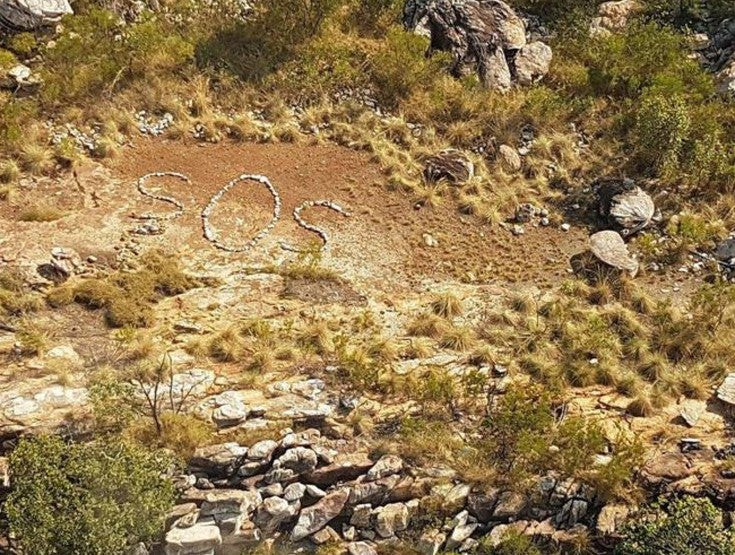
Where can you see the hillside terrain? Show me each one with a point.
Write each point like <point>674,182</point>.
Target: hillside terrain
<point>367,277</point>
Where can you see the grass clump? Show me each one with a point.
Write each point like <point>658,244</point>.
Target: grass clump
<point>128,297</point>
<point>41,213</point>
<point>447,305</point>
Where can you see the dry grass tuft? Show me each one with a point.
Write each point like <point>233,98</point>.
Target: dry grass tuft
<point>447,305</point>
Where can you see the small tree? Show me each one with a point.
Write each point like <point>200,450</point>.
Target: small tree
<point>687,526</point>
<point>86,499</point>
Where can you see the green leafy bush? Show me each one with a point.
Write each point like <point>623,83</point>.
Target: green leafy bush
<point>86,499</point>
<point>687,526</point>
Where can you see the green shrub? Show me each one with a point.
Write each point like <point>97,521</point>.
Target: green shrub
<point>87,499</point>
<point>22,43</point>
<point>400,66</point>
<point>662,126</point>
<point>687,526</point>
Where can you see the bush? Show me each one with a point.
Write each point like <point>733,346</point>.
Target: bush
<point>687,526</point>
<point>400,67</point>
<point>86,499</point>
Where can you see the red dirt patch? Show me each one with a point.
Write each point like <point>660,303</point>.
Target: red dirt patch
<point>383,239</point>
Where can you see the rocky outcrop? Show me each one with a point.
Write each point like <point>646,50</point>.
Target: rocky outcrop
<point>29,15</point>
<point>483,36</point>
<point>303,488</point>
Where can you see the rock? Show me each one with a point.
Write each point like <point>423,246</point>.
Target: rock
<point>483,36</point>
<point>691,410</point>
<point>495,72</point>
<point>273,512</point>
<point>525,213</point>
<point>294,492</point>
<point>726,79</point>
<point>201,538</point>
<point>450,165</point>
<point>613,17</point>
<point>19,79</point>
<point>668,467</point>
<point>459,535</point>
<point>262,450</point>
<point>65,353</point>
<point>726,391</point>
<point>611,517</point>
<point>532,63</point>
<point>725,251</point>
<point>509,159</point>
<point>229,504</point>
<point>510,505</point>
<point>345,468</point>
<point>390,519</point>
<point>625,205</point>
<point>608,253</point>
<point>429,240</point>
<point>387,465</point>
<point>314,518</point>
<point>481,505</point>
<point>219,460</point>
<point>325,535</point>
<point>572,512</point>
<point>298,459</point>
<point>431,542</point>
<point>373,492</point>
<point>361,515</point>
<point>230,414</point>
<point>361,548</point>
<point>30,15</point>
<point>315,492</point>
<point>456,498</point>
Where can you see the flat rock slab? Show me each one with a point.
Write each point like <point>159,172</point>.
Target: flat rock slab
<point>610,248</point>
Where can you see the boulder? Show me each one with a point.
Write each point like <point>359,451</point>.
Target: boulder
<point>391,519</point>
<point>218,460</point>
<point>202,538</point>
<point>30,15</point>
<point>361,548</point>
<point>459,535</point>
<point>532,62</point>
<point>450,165</point>
<point>571,513</point>
<point>262,450</point>
<point>483,36</point>
<point>273,512</point>
<point>431,542</point>
<point>314,518</point>
<point>608,254</point>
<point>691,410</point>
<point>387,465</point>
<point>669,467</point>
<point>510,506</point>
<point>344,468</point>
<point>625,205</point>
<point>613,17</point>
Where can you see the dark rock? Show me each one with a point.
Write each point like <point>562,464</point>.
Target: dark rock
<point>345,468</point>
